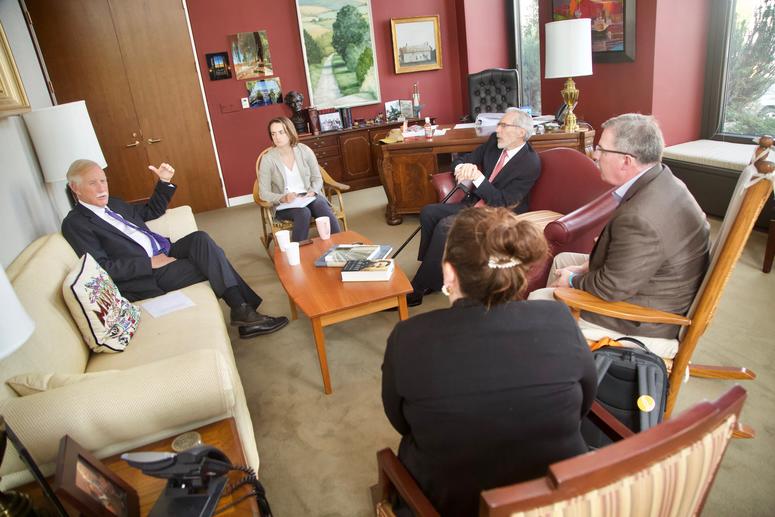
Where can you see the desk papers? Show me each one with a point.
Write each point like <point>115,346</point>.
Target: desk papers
<point>168,303</point>
<point>299,202</point>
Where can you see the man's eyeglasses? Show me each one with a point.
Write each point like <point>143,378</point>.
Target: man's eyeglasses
<point>599,149</point>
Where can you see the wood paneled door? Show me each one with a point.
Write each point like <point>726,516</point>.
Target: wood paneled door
<point>132,62</point>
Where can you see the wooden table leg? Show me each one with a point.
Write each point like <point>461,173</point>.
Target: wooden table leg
<point>294,314</point>
<point>403,310</point>
<point>320,344</point>
<point>769,253</point>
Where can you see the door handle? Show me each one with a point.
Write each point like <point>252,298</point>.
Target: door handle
<point>135,144</point>
<point>154,140</point>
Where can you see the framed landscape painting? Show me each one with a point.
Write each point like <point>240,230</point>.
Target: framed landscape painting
<point>416,43</point>
<point>613,26</point>
<point>250,54</point>
<point>337,38</point>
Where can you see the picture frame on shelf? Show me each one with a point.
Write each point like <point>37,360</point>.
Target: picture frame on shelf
<point>613,26</point>
<point>13,98</point>
<point>330,121</point>
<point>93,489</point>
<point>218,66</point>
<point>416,44</point>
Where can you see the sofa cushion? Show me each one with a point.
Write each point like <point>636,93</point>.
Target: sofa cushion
<point>56,344</point>
<point>31,383</point>
<point>106,319</point>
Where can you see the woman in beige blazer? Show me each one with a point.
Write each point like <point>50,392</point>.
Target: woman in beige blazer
<point>289,172</point>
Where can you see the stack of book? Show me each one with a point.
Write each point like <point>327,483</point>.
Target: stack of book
<point>338,255</point>
<point>368,270</point>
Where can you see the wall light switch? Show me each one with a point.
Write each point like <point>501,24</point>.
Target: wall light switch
<point>245,103</point>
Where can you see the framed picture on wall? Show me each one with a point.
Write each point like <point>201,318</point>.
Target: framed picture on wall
<point>250,53</point>
<point>613,26</point>
<point>416,43</point>
<point>218,66</point>
<point>264,92</point>
<point>338,43</point>
<point>13,99</point>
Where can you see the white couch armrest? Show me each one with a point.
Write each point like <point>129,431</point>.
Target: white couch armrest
<point>175,223</point>
<point>138,402</point>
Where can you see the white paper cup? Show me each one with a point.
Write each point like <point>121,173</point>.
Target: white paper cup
<point>292,254</point>
<point>283,239</point>
<point>324,227</point>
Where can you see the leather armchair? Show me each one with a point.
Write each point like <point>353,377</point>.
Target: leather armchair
<point>492,91</point>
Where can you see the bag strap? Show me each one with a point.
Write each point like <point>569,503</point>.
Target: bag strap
<point>602,364</point>
<point>633,340</point>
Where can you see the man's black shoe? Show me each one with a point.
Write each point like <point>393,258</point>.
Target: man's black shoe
<point>266,325</point>
<point>413,299</point>
<point>245,315</point>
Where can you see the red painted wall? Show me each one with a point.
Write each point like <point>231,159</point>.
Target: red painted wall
<point>486,23</point>
<point>679,68</point>
<point>241,134</point>
<point>666,78</point>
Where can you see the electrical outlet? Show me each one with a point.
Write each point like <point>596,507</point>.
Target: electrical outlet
<point>245,103</point>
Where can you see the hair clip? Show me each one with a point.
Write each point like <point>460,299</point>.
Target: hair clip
<point>501,263</point>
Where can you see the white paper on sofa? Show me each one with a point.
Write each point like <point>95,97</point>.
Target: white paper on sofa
<point>167,303</point>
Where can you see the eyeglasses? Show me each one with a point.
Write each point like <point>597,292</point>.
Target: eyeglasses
<point>504,125</point>
<point>599,149</point>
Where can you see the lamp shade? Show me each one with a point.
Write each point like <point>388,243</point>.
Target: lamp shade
<point>62,134</point>
<point>16,326</point>
<point>568,48</point>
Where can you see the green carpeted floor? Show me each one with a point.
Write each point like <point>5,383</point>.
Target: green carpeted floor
<point>318,452</point>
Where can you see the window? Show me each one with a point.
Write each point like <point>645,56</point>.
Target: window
<point>526,52</point>
<point>746,100</point>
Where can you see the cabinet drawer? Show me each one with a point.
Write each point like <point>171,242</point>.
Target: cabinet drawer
<point>326,152</point>
<point>333,167</point>
<point>318,142</point>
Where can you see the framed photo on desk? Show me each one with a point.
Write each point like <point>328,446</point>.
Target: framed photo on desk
<point>416,43</point>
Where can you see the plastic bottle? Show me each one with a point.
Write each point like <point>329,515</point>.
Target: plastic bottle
<point>428,128</point>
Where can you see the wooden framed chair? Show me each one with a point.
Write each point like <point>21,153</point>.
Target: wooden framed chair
<point>667,470</point>
<point>753,189</point>
<point>271,225</point>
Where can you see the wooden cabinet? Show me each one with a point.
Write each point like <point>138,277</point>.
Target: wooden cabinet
<point>351,155</point>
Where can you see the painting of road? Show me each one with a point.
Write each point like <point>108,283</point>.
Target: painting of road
<point>250,53</point>
<point>338,42</point>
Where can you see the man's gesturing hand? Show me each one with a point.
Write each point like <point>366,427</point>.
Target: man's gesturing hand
<point>162,260</point>
<point>164,172</point>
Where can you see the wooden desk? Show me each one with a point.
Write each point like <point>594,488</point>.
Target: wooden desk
<point>325,299</point>
<point>405,167</point>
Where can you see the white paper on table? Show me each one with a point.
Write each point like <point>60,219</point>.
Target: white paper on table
<point>440,132</point>
<point>466,125</point>
<point>298,202</point>
<point>165,304</point>
<point>420,132</point>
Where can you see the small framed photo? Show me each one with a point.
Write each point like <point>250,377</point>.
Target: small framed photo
<point>330,121</point>
<point>89,486</point>
<point>407,110</point>
<point>218,66</point>
<point>416,43</point>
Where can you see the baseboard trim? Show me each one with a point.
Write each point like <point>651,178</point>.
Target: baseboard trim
<point>240,200</point>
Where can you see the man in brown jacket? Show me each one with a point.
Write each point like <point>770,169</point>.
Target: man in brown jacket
<point>654,250</point>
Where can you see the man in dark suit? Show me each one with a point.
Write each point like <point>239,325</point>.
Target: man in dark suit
<point>144,264</point>
<point>654,250</point>
<point>503,170</point>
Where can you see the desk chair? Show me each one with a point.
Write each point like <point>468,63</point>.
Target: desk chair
<point>670,467</point>
<point>270,225</point>
<point>752,191</point>
<point>492,91</point>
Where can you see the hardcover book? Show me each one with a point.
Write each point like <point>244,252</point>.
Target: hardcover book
<point>337,256</point>
<point>368,270</point>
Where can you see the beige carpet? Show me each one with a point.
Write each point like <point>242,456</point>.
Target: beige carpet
<point>318,452</point>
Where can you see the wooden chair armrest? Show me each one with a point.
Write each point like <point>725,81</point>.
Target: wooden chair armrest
<point>393,476</point>
<point>262,203</point>
<point>609,424</point>
<point>584,301</point>
<point>335,184</point>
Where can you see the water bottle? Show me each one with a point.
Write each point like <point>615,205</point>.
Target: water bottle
<point>428,128</point>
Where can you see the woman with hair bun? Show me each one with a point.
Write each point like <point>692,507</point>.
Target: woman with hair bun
<point>492,390</point>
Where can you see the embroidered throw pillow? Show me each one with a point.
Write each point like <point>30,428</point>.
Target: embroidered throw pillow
<point>106,319</point>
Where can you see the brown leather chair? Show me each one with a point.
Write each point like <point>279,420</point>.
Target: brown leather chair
<point>633,476</point>
<point>569,186</point>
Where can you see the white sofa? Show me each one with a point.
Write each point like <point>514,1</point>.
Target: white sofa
<point>178,372</point>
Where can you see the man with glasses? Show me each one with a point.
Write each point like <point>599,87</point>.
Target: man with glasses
<point>654,250</point>
<point>502,170</point>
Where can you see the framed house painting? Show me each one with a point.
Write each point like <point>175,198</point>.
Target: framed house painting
<point>338,43</point>
<point>613,26</point>
<point>13,99</point>
<point>416,43</point>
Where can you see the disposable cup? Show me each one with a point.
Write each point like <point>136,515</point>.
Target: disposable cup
<point>324,227</point>
<point>283,239</point>
<point>292,254</point>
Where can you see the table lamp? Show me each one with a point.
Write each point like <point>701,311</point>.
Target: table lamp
<point>15,328</point>
<point>569,54</point>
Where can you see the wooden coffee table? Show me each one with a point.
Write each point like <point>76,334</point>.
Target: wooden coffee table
<point>320,293</point>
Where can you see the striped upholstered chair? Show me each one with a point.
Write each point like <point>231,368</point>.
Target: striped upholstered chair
<point>667,470</point>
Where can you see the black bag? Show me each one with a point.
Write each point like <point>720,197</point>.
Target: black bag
<point>623,376</point>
